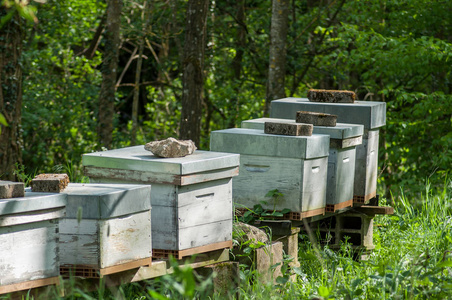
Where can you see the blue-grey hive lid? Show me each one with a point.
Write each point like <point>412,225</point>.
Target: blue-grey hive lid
<point>340,131</point>
<point>371,114</point>
<point>138,159</point>
<point>256,142</point>
<point>103,201</point>
<point>32,202</point>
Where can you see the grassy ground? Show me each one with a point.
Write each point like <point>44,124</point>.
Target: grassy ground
<point>412,260</point>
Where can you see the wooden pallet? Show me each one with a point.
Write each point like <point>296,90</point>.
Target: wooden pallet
<point>331,208</point>
<point>294,216</point>
<point>89,271</point>
<point>22,286</point>
<point>179,254</point>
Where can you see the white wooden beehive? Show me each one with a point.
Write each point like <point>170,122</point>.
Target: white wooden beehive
<point>191,196</point>
<point>107,229</point>
<point>294,165</point>
<point>344,138</point>
<point>29,233</point>
<point>371,114</point>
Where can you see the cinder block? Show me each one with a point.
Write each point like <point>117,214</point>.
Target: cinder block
<point>9,189</point>
<point>293,129</point>
<point>331,96</point>
<point>226,281</point>
<point>266,257</point>
<point>316,119</point>
<point>354,227</point>
<point>49,183</point>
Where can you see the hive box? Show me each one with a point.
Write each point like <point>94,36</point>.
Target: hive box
<point>29,228</point>
<point>107,229</point>
<point>341,160</point>
<point>294,165</point>
<point>368,113</point>
<point>191,196</point>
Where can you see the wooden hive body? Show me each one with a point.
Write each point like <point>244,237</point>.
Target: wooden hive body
<point>107,228</point>
<point>368,113</point>
<point>191,196</point>
<point>29,233</point>
<point>294,165</point>
<point>344,138</point>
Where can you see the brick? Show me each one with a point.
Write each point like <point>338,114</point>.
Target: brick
<point>9,189</point>
<point>331,96</point>
<point>316,119</point>
<point>49,183</point>
<point>293,129</point>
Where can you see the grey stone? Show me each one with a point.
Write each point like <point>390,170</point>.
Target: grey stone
<point>247,232</point>
<point>9,189</point>
<point>49,183</point>
<point>171,147</point>
<point>294,129</point>
<point>316,119</point>
<point>331,96</point>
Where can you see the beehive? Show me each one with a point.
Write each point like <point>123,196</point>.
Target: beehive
<point>341,159</point>
<point>29,235</point>
<point>107,229</point>
<point>368,113</point>
<point>191,196</point>
<point>294,165</point>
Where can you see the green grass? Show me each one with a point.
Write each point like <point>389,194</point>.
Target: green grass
<point>412,260</point>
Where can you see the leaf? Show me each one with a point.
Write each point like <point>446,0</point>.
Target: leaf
<point>282,280</point>
<point>157,296</point>
<point>285,211</point>
<point>324,291</point>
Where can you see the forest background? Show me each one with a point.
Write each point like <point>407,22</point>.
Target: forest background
<point>53,73</point>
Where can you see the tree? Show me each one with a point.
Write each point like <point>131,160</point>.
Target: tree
<point>109,72</point>
<point>11,37</point>
<point>277,59</point>
<point>193,81</point>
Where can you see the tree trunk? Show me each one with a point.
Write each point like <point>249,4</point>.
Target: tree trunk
<point>277,59</point>
<point>109,72</point>
<point>193,81</point>
<point>11,36</point>
<point>237,62</point>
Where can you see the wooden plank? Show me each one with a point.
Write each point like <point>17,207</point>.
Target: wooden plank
<point>161,268</point>
<point>125,239</point>
<point>32,216</point>
<point>131,175</point>
<point>28,251</point>
<point>127,266</point>
<point>346,143</point>
<point>205,234</point>
<point>375,210</point>
<point>4,289</point>
<point>209,176</point>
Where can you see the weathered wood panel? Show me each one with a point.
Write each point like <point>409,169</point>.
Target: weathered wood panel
<point>260,174</point>
<point>28,252</point>
<point>105,243</point>
<point>125,239</point>
<point>341,174</point>
<point>314,184</point>
<point>197,236</point>
<point>32,217</point>
<point>366,168</point>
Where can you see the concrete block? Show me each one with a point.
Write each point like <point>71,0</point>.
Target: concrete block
<point>9,189</point>
<point>266,258</point>
<point>317,119</point>
<point>294,129</point>
<point>331,96</point>
<point>226,278</point>
<point>49,183</point>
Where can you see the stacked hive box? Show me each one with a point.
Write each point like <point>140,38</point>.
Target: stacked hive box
<point>294,165</point>
<point>370,114</point>
<point>341,160</point>
<point>191,196</point>
<point>29,226</point>
<point>107,229</point>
